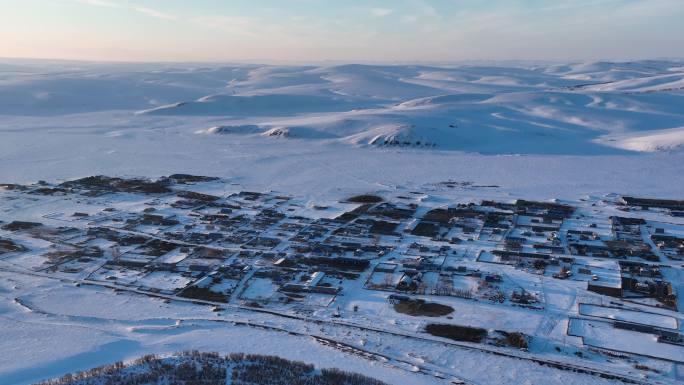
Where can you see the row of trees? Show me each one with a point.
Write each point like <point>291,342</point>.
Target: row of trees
<point>199,368</point>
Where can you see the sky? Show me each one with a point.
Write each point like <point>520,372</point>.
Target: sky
<point>341,30</point>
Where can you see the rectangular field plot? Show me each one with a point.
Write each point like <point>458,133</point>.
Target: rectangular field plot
<point>639,317</point>
<point>163,280</point>
<point>603,335</point>
<point>260,289</point>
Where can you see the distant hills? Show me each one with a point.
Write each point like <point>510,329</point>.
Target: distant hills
<point>584,108</point>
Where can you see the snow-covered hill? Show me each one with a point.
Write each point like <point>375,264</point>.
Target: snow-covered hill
<point>535,109</point>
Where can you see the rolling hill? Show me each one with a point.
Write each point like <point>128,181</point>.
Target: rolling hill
<point>582,108</point>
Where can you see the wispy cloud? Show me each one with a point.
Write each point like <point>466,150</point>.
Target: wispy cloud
<point>99,3</point>
<point>381,12</point>
<point>155,13</point>
<point>426,10</point>
<point>151,12</point>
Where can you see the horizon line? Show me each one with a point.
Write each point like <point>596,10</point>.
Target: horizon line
<point>338,61</point>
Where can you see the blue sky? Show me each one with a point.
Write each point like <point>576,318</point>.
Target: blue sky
<point>346,30</point>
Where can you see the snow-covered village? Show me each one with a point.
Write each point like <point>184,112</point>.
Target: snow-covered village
<point>586,286</point>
